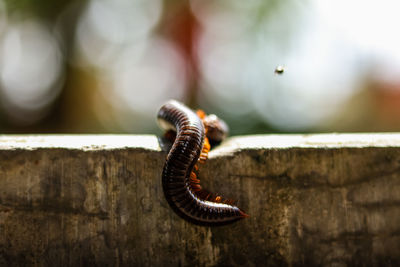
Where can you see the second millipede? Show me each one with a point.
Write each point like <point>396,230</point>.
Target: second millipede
<point>192,134</point>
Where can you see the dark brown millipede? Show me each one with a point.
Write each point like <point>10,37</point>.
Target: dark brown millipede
<point>192,134</point>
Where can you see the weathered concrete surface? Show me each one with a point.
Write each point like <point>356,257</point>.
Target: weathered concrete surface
<point>97,200</point>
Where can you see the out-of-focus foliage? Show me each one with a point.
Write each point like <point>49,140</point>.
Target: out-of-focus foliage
<point>43,8</point>
<point>107,65</point>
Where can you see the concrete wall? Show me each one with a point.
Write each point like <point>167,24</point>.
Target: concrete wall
<point>331,200</point>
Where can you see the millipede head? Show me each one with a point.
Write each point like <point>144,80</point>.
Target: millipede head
<point>216,129</point>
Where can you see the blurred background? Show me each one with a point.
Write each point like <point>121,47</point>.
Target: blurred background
<point>106,66</point>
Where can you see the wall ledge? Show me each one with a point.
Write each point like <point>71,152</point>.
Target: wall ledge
<point>322,199</point>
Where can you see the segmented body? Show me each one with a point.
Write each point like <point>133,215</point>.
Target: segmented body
<point>180,184</point>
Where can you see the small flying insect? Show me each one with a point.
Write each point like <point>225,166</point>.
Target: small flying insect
<point>279,70</point>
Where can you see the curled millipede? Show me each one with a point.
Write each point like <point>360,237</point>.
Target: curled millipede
<point>192,134</point>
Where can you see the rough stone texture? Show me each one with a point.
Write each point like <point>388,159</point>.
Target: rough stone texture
<point>331,200</point>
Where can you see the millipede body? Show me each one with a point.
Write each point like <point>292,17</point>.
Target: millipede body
<point>192,134</point>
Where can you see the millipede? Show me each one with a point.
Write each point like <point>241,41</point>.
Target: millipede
<point>192,134</point>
